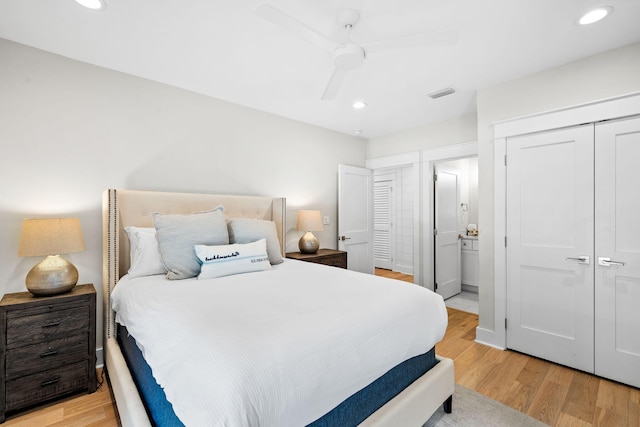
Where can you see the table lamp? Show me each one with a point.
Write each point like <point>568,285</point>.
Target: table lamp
<point>309,221</point>
<point>51,237</point>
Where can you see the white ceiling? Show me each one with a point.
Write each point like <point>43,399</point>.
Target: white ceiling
<point>224,50</point>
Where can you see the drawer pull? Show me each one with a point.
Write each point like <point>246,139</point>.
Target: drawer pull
<point>51,325</point>
<point>49,353</point>
<point>50,382</point>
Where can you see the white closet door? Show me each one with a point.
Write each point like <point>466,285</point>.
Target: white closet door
<point>383,235</point>
<point>617,212</point>
<point>550,306</point>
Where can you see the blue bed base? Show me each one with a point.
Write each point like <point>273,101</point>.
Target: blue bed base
<point>350,412</point>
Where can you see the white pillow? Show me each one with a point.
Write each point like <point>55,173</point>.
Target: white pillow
<point>144,253</point>
<point>178,234</point>
<point>225,260</point>
<point>246,230</point>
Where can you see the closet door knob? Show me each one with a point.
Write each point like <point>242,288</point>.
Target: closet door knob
<point>606,262</point>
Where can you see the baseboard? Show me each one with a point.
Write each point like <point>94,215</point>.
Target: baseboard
<point>470,288</point>
<point>487,337</point>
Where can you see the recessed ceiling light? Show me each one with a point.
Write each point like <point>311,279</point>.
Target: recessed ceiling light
<point>594,15</point>
<point>359,105</point>
<point>358,131</point>
<point>92,4</point>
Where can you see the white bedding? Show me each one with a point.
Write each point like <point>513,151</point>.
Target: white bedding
<point>274,348</point>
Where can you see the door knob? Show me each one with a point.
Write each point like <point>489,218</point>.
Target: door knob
<point>583,259</point>
<point>343,238</point>
<point>606,262</point>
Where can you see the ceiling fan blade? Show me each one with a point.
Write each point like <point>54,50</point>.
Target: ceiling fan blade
<point>291,24</point>
<point>335,81</point>
<point>436,38</point>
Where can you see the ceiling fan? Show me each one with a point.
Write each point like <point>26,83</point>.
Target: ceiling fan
<point>348,55</point>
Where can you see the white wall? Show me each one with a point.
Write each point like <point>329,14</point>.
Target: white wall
<point>454,131</point>
<point>609,74</point>
<point>405,220</point>
<point>69,130</point>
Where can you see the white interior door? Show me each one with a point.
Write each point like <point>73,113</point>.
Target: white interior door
<point>355,217</point>
<point>617,285</point>
<point>447,224</point>
<point>383,213</point>
<point>550,282</point>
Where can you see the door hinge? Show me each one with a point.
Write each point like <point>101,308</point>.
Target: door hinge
<point>435,287</point>
<point>435,177</point>
<point>505,323</point>
<point>505,241</point>
<point>435,231</point>
<point>505,160</point>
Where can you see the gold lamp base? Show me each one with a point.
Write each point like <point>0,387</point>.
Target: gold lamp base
<point>53,275</point>
<point>308,243</point>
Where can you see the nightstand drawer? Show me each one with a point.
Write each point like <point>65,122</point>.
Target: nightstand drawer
<point>46,355</point>
<point>332,260</point>
<point>330,257</point>
<point>42,327</point>
<point>45,385</point>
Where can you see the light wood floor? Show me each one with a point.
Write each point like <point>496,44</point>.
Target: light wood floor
<point>554,394</point>
<point>394,275</point>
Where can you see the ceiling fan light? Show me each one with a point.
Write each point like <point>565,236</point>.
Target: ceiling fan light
<point>92,4</point>
<point>594,15</point>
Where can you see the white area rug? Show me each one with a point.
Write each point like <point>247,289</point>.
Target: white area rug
<point>471,409</point>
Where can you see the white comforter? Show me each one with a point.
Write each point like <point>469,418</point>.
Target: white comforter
<point>274,348</point>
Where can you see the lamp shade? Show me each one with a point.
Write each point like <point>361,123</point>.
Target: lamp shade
<point>309,220</point>
<point>50,236</point>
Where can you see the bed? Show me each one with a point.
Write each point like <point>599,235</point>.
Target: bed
<point>410,406</point>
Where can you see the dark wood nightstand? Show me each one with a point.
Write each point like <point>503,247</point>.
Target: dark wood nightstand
<point>323,256</point>
<point>47,347</point>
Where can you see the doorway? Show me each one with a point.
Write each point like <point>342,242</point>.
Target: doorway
<point>429,158</point>
<point>455,213</point>
<point>393,213</point>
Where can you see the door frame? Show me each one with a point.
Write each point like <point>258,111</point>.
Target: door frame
<point>400,160</point>
<point>606,109</point>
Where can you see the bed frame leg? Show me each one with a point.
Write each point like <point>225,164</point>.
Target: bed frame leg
<point>448,404</point>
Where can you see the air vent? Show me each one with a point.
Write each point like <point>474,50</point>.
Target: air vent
<point>440,93</point>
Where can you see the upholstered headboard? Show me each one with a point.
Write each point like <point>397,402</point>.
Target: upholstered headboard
<point>122,208</point>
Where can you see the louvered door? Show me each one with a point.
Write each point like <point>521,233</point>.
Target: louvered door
<point>383,237</point>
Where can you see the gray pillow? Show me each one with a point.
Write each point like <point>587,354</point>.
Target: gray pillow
<point>178,234</point>
<point>246,230</point>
